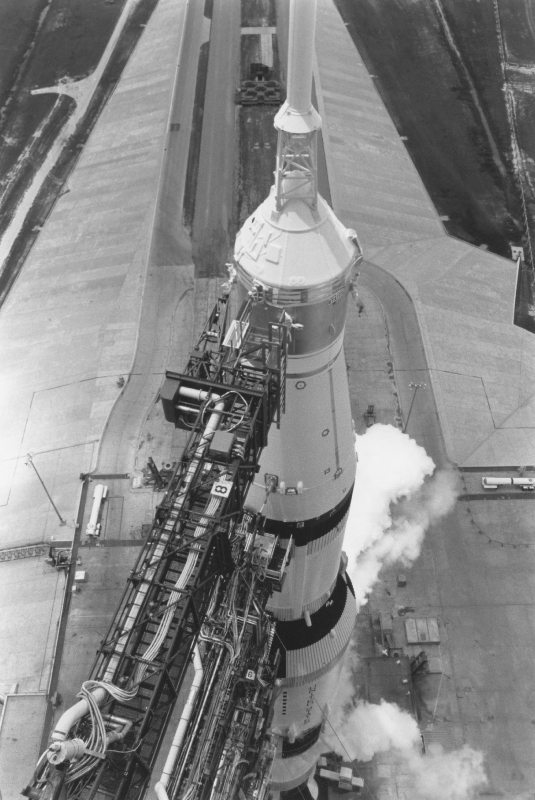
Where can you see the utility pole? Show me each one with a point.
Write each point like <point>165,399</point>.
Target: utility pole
<point>30,463</point>
<point>414,386</point>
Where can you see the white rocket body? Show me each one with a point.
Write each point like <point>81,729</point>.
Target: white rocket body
<point>297,254</point>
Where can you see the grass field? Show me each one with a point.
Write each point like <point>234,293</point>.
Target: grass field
<point>437,94</point>
<point>50,40</point>
<point>66,40</point>
<point>19,21</point>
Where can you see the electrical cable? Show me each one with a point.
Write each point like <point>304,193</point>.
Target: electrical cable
<point>180,585</point>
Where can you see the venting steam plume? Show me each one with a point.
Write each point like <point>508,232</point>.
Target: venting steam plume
<point>392,469</point>
<point>369,729</point>
<point>397,497</point>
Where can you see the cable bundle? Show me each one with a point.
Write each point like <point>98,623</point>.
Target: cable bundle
<point>181,584</point>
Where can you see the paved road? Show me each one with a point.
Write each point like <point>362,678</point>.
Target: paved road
<point>410,363</point>
<point>171,243</point>
<point>482,594</point>
<point>165,325</point>
<point>214,198</point>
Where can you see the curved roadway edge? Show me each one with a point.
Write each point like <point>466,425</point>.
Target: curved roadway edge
<point>88,308</point>
<point>482,368</point>
<point>69,330</point>
<point>409,359</point>
<point>165,323</point>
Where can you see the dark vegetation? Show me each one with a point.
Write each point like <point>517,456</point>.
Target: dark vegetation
<point>49,56</point>
<point>427,91</point>
<point>440,72</point>
<point>19,21</point>
<point>65,39</point>
<point>437,93</point>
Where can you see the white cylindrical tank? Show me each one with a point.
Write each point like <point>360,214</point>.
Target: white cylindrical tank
<point>524,483</point>
<point>99,495</point>
<point>491,482</point>
<point>303,260</point>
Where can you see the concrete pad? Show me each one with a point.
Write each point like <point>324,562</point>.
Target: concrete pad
<point>370,362</point>
<point>68,332</point>
<point>482,367</point>
<point>31,593</point>
<point>20,734</point>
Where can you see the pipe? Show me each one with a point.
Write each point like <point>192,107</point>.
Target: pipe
<point>197,394</point>
<point>161,786</point>
<point>205,698</point>
<point>123,724</point>
<point>71,716</point>
<point>73,749</point>
<point>80,709</point>
<point>208,433</point>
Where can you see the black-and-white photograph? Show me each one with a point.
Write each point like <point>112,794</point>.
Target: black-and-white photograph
<point>267,383</point>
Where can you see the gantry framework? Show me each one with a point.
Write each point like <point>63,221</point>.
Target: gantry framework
<point>203,576</point>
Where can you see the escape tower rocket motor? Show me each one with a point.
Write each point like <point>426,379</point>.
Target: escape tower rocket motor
<point>298,260</point>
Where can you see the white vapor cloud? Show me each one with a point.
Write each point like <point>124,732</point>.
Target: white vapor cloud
<point>446,776</point>
<point>367,729</point>
<point>394,502</point>
<point>397,496</point>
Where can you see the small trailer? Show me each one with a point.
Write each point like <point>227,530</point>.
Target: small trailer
<point>99,495</point>
<point>526,484</point>
<point>493,482</point>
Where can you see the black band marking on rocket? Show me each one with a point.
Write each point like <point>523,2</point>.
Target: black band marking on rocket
<point>301,792</point>
<point>310,529</point>
<point>296,634</point>
<point>301,744</point>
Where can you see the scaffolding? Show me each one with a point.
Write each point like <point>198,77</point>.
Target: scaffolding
<point>203,576</point>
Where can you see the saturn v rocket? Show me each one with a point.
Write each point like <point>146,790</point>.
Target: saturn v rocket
<point>297,258</point>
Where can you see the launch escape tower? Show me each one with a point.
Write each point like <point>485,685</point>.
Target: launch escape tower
<point>295,256</point>
<point>243,572</point>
